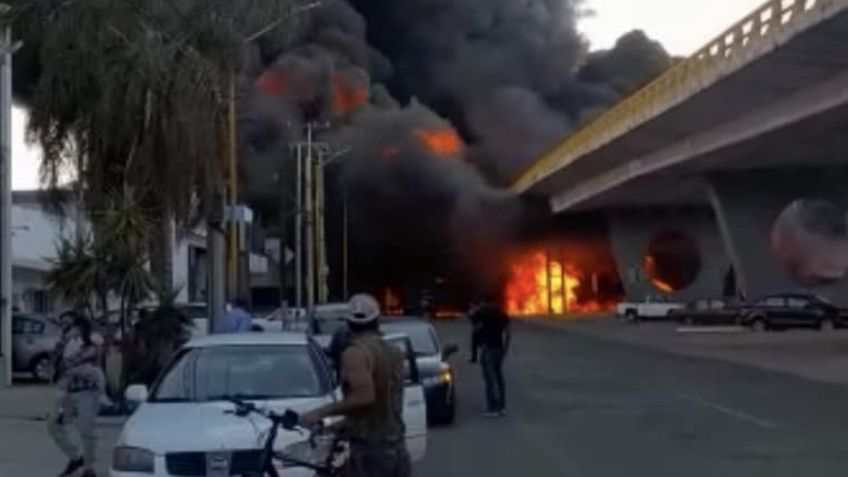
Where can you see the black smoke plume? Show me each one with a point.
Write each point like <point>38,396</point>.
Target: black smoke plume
<point>510,78</point>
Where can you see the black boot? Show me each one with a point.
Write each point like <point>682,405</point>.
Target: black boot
<point>89,473</point>
<point>73,466</point>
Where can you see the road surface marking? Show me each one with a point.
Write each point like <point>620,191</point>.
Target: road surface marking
<point>711,329</point>
<point>742,416</point>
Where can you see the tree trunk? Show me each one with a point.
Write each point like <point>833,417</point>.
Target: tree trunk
<point>162,252</point>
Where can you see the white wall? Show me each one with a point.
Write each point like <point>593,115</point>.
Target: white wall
<point>181,262</point>
<point>35,234</point>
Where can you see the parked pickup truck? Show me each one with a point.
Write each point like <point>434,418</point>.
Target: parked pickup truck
<point>649,309</point>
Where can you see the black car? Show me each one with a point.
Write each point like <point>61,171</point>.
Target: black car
<point>437,375</point>
<point>708,312</point>
<point>792,310</point>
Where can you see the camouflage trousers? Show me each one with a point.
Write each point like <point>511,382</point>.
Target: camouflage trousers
<point>368,460</point>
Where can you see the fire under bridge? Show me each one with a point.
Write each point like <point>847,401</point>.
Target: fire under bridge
<point>729,173</point>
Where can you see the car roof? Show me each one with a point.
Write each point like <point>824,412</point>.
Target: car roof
<point>403,320</point>
<point>790,295</point>
<point>249,339</point>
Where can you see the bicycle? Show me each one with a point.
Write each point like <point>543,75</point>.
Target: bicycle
<point>325,452</point>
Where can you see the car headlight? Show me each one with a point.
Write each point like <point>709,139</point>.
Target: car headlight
<point>444,376</point>
<point>132,459</point>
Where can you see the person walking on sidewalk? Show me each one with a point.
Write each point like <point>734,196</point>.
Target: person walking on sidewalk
<point>492,334</point>
<point>82,383</point>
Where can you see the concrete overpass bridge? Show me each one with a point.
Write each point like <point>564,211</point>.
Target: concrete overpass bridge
<point>716,149</point>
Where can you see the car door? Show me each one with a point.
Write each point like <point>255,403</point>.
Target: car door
<point>777,311</point>
<point>19,342</point>
<point>801,312</point>
<point>414,404</point>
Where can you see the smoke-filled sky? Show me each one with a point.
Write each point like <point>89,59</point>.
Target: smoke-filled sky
<point>661,19</point>
<point>682,26</point>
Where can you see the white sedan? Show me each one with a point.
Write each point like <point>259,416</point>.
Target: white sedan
<point>183,422</point>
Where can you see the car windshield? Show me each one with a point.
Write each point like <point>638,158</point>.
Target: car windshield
<point>249,372</point>
<point>328,326</point>
<point>420,334</point>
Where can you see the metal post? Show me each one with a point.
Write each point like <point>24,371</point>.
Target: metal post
<point>6,201</point>
<point>548,282</point>
<point>345,265</point>
<point>320,205</point>
<point>564,288</point>
<point>216,249</point>
<point>310,223</point>
<point>298,232</point>
<point>233,229</point>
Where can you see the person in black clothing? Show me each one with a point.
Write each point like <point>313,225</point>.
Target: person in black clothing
<point>492,335</point>
<point>475,345</point>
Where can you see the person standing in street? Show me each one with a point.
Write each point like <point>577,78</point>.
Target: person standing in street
<point>238,319</point>
<point>372,376</point>
<point>82,384</point>
<point>493,337</point>
<point>475,345</point>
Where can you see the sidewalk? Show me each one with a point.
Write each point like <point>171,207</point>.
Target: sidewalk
<point>26,449</point>
<point>808,354</point>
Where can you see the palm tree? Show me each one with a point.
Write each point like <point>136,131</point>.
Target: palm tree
<point>136,93</point>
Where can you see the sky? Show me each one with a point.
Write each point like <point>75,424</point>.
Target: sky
<point>682,26</point>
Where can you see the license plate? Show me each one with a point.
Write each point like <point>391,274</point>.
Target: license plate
<point>218,464</point>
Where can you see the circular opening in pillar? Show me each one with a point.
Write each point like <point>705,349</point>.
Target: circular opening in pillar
<point>672,261</point>
<point>810,239</point>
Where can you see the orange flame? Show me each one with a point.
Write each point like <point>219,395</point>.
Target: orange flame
<point>347,97</point>
<point>650,266</point>
<point>270,83</point>
<point>540,286</point>
<point>391,303</point>
<point>443,142</point>
<point>389,152</point>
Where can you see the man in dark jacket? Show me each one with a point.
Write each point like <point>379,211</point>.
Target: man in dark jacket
<point>492,335</point>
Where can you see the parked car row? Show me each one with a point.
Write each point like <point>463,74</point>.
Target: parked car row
<point>771,312</point>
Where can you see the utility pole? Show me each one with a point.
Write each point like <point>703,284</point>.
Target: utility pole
<point>320,204</point>
<point>232,175</point>
<point>8,50</point>
<point>345,265</point>
<point>298,233</point>
<point>310,222</point>
<point>217,254</point>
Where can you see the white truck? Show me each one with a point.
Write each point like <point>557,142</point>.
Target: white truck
<point>651,308</point>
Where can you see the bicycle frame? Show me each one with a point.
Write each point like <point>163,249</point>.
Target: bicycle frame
<point>269,455</point>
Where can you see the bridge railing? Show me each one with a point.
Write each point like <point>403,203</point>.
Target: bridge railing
<point>673,86</point>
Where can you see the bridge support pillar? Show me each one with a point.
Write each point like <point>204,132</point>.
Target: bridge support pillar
<point>670,236</point>
<point>747,206</point>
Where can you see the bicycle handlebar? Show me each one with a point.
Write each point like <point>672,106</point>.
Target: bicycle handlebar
<point>288,420</point>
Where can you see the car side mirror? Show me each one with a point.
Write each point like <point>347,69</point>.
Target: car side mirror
<point>136,393</point>
<point>450,350</point>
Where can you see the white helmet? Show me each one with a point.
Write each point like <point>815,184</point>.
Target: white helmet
<point>363,308</point>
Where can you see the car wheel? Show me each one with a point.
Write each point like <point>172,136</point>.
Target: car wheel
<point>631,316</point>
<point>759,325</point>
<point>826,325</point>
<point>448,417</point>
<point>42,368</point>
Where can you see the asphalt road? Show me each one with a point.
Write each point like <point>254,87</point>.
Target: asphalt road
<point>583,407</point>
